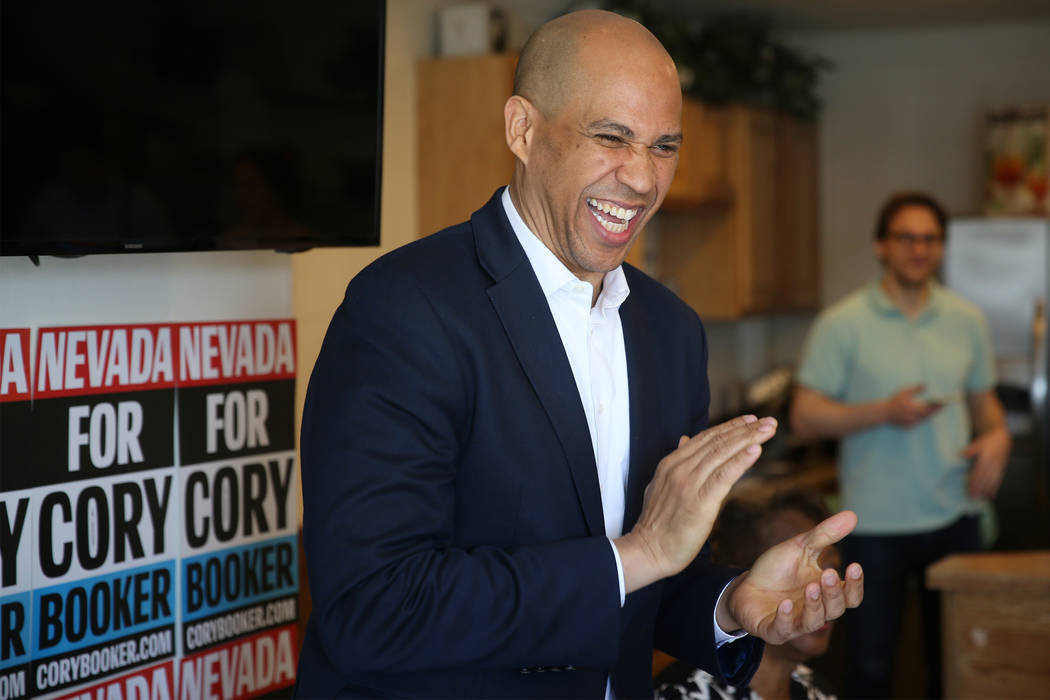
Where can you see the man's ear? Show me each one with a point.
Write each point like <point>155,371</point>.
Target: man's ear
<point>519,120</point>
<point>879,246</point>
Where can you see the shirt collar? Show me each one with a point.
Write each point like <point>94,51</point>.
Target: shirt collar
<point>885,305</point>
<point>551,272</point>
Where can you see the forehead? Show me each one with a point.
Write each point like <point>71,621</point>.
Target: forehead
<point>636,88</point>
<point>914,218</point>
<point>635,113</point>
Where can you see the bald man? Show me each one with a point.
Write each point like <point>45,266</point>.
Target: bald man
<point>508,475</point>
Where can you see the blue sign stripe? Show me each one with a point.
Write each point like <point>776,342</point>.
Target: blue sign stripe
<point>233,578</point>
<point>95,610</point>
<point>14,625</point>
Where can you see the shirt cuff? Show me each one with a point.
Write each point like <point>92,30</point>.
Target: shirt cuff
<point>619,570</point>
<point>721,637</point>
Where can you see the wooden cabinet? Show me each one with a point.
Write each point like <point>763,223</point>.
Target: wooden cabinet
<point>758,255</point>
<point>463,155</point>
<point>702,177</point>
<point>995,622</point>
<point>798,218</point>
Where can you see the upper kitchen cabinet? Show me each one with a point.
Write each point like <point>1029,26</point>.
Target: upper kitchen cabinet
<point>798,218</point>
<point>758,255</point>
<point>702,177</point>
<point>462,150</point>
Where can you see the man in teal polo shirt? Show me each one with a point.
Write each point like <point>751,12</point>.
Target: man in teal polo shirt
<point>902,371</point>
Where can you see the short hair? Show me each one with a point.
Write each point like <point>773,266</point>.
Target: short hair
<point>910,198</point>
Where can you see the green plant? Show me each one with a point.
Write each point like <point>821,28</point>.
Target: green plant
<point>734,58</point>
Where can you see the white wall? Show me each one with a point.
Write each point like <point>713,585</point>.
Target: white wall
<point>904,109</point>
<point>144,288</point>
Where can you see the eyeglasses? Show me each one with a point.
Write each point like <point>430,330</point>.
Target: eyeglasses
<point>910,239</point>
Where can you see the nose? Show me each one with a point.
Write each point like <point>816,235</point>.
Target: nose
<point>637,171</point>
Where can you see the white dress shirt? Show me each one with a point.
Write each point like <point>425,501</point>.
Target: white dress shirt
<point>593,340</point>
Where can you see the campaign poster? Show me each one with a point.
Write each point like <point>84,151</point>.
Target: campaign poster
<point>148,490</point>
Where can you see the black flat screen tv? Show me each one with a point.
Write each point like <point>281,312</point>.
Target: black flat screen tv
<point>139,126</point>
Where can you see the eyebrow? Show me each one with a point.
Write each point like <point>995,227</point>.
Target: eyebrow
<point>626,132</point>
<point>924,234</point>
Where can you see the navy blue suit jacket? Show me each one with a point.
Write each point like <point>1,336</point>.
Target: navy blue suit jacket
<point>453,524</point>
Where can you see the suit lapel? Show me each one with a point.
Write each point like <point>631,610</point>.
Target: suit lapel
<point>522,308</point>
<point>641,364</point>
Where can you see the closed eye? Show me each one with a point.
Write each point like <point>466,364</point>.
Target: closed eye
<point>666,149</point>
<point>610,140</point>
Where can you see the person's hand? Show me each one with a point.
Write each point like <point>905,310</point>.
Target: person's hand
<point>905,410</point>
<point>684,497</point>
<point>989,451</point>
<point>786,594</point>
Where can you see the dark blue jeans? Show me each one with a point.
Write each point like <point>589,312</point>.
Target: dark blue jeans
<point>873,629</point>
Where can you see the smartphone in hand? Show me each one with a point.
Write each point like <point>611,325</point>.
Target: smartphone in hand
<point>940,400</point>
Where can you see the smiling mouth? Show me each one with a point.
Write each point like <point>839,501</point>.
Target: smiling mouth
<point>613,218</point>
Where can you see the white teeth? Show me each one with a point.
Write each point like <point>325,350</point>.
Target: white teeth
<point>618,212</point>
<point>608,225</point>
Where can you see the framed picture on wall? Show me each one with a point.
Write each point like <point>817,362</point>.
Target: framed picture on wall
<point>1017,161</point>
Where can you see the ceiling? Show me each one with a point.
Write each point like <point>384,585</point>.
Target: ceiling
<point>840,15</point>
<point>828,15</point>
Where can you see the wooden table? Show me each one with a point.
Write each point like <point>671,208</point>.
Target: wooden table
<point>996,623</point>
